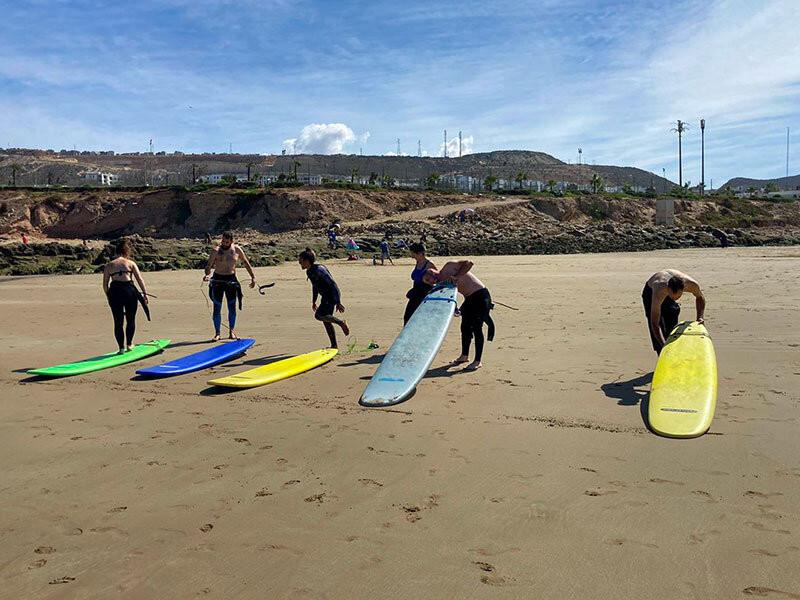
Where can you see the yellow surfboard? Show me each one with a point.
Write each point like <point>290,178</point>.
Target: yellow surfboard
<point>683,395</point>
<point>276,371</point>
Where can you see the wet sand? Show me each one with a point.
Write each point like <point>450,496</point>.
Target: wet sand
<point>533,478</point>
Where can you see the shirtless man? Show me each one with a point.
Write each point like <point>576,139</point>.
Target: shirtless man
<point>660,296</point>
<point>223,282</point>
<point>474,310</point>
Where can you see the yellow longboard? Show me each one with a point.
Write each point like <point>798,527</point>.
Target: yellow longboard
<point>684,390</point>
<point>276,371</point>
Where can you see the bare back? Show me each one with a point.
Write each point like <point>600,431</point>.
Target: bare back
<point>120,269</point>
<point>467,283</point>
<point>659,283</point>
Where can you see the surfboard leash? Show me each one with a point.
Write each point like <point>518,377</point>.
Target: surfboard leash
<point>504,305</point>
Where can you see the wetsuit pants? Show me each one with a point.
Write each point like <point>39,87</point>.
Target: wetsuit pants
<point>226,286</point>
<point>670,311</point>
<point>325,310</point>
<point>123,300</point>
<point>474,313</point>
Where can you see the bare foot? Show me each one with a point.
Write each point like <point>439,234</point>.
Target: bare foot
<point>460,360</point>
<point>121,351</point>
<point>345,328</point>
<point>129,348</point>
<point>215,338</point>
<point>233,336</point>
<point>473,366</point>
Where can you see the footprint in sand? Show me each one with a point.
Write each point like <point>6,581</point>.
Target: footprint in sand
<point>762,527</point>
<point>765,592</point>
<point>701,537</point>
<point>754,494</point>
<point>65,579</point>
<point>599,492</point>
<point>206,528</point>
<point>37,564</point>
<point>118,509</point>
<point>263,492</point>
<point>709,498</point>
<point>489,574</point>
<point>623,541</point>
<point>659,480</point>
<point>370,482</point>
<point>44,550</point>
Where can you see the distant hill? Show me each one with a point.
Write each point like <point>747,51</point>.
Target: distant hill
<point>784,183</point>
<point>38,167</point>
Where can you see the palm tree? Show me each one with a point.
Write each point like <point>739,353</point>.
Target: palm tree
<point>521,176</point>
<point>551,186</point>
<point>489,182</point>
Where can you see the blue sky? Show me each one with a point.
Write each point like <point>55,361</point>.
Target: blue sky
<point>609,76</point>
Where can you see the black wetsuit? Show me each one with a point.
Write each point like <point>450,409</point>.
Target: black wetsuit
<point>418,292</point>
<point>123,298</point>
<point>323,285</point>
<point>670,311</point>
<point>475,311</point>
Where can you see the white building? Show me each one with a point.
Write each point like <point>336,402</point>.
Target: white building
<point>101,178</point>
<point>218,177</point>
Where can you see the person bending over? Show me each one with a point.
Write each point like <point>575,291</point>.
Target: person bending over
<point>323,285</point>
<point>660,298</point>
<point>223,282</point>
<point>474,310</point>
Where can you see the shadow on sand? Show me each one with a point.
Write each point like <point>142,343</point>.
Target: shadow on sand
<point>632,392</point>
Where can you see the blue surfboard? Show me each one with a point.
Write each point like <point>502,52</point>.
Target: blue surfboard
<point>199,360</point>
<point>412,353</point>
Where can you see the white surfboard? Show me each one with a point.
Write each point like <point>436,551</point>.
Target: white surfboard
<point>412,353</point>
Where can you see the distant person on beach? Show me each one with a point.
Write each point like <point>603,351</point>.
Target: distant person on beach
<point>420,289</point>
<point>385,254</point>
<point>25,239</point>
<point>660,298</point>
<point>323,285</point>
<point>122,295</point>
<point>474,310</point>
<point>223,282</point>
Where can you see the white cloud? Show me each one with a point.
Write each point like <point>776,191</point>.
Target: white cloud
<point>467,142</point>
<point>321,138</point>
<point>364,137</point>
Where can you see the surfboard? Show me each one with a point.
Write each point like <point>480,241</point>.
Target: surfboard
<point>281,369</point>
<point>199,360</point>
<point>104,361</point>
<point>413,351</point>
<point>683,394</point>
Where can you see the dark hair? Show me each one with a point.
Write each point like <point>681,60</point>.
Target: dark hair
<point>124,247</point>
<point>308,255</point>
<point>675,283</point>
<point>417,248</point>
<point>227,235</point>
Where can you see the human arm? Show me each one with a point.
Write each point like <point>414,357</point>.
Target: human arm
<point>247,266</point>
<point>212,260</point>
<point>655,317</point>
<point>699,299</point>
<point>106,278</point>
<point>453,271</point>
<point>138,276</point>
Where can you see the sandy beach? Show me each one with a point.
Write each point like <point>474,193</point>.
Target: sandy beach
<point>534,477</point>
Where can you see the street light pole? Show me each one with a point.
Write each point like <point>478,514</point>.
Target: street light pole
<point>702,157</point>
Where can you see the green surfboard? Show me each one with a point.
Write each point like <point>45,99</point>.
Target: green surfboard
<point>105,361</point>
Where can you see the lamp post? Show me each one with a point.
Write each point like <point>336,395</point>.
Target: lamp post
<point>702,157</point>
